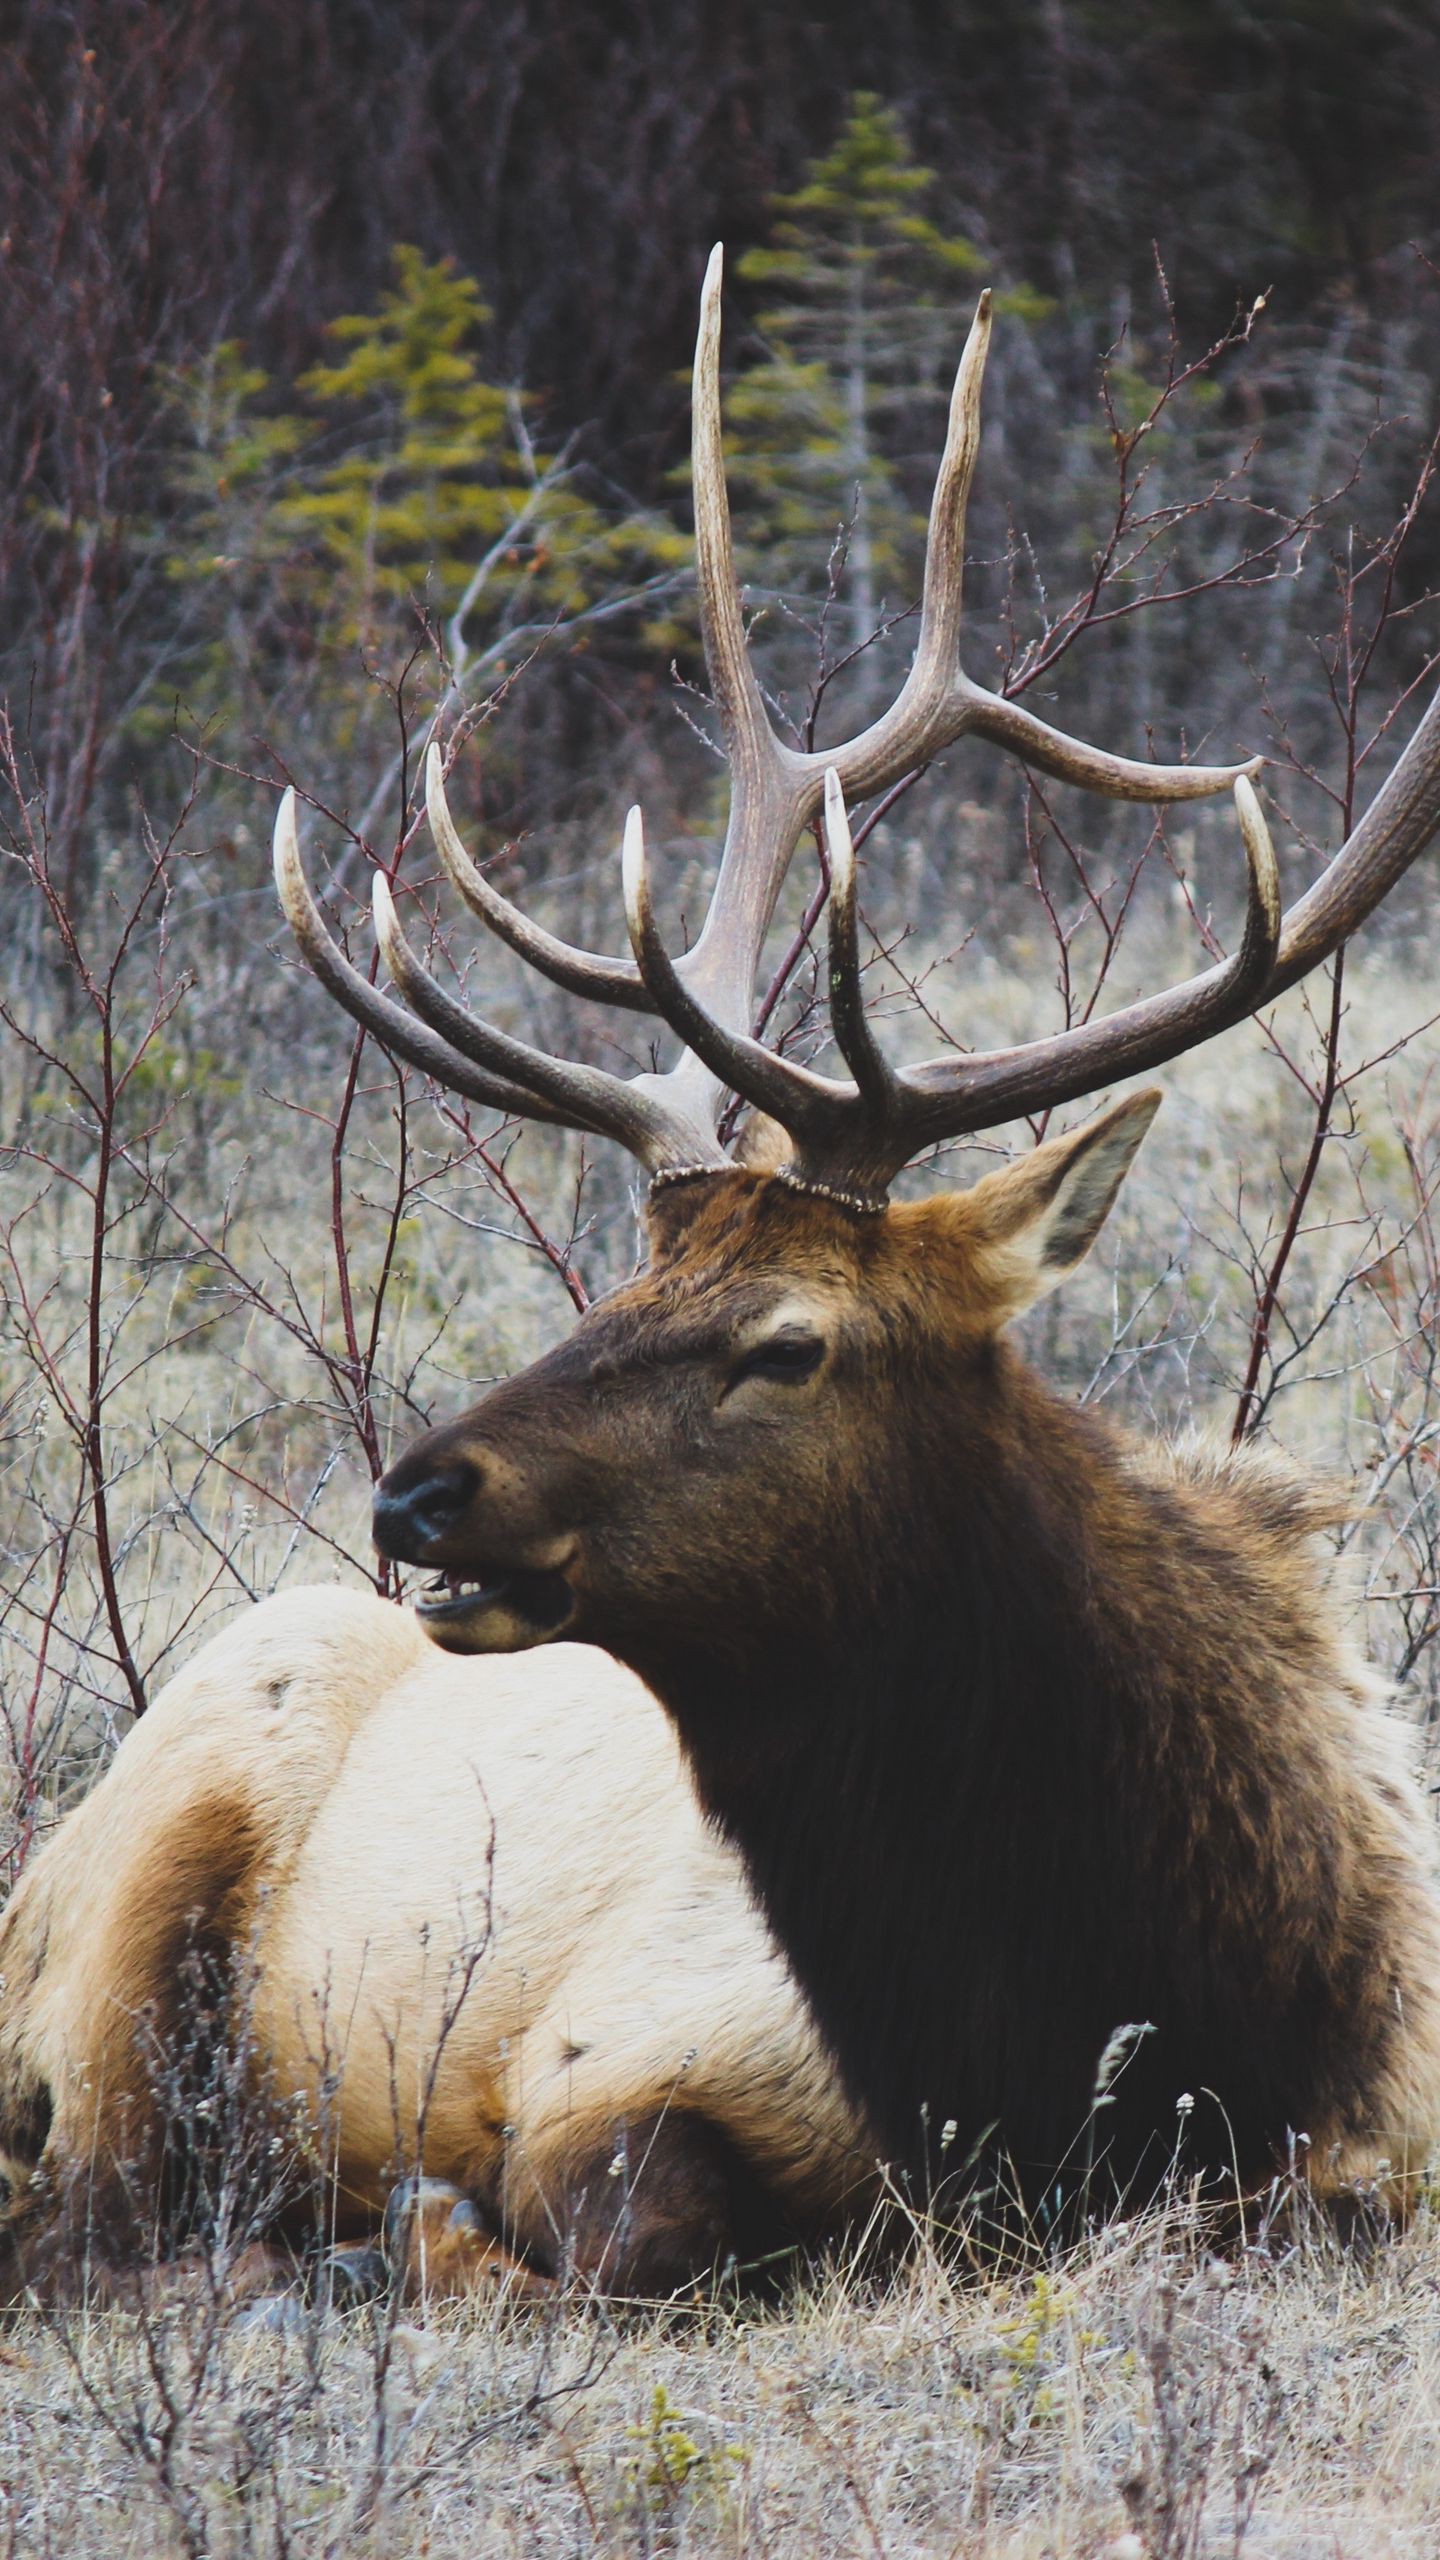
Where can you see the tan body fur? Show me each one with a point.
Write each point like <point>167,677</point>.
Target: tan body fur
<point>321,1785</point>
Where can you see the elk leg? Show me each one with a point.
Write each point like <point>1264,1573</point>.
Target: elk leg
<point>665,2203</point>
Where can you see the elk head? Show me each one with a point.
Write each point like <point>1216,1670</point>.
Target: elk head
<point>747,1382</point>
<point>715,1446</point>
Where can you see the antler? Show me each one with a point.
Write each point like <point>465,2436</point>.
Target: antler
<point>448,1042</point>
<point>857,1132</point>
<point>869,1129</point>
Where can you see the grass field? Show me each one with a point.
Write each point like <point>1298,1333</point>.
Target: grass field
<point>1140,2398</point>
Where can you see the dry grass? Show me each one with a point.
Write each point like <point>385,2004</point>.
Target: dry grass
<point>1137,2398</point>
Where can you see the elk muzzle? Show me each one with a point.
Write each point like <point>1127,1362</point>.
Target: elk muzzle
<point>500,1578</point>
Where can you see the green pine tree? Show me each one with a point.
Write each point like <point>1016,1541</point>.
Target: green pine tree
<point>436,465</point>
<point>296,533</point>
<point>841,417</point>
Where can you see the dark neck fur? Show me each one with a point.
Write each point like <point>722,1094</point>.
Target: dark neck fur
<point>984,1816</point>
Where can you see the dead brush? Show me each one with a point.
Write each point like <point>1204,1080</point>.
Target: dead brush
<point>220,2386</point>
<point>1216,2411</point>
<point>206,2163</point>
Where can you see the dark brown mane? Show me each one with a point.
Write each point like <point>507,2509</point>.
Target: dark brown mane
<point>1025,1736</point>
<point>1034,1686</point>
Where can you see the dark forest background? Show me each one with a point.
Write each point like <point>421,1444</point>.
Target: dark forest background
<point>177,174</point>
<point>181,179</point>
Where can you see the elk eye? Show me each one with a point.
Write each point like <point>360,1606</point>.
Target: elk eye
<point>786,1357</point>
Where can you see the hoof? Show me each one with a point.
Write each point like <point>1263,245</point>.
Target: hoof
<point>350,2275</point>
<point>423,2209</point>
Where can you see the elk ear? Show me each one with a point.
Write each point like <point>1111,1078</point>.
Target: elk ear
<point>1035,1221</point>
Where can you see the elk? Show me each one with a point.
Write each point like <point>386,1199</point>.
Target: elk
<point>1030,1738</point>
<point>483,1931</point>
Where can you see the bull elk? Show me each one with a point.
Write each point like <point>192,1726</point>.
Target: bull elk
<point>479,1925</point>
<point>1026,1734</point>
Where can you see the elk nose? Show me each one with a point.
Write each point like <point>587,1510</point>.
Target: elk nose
<point>411,1521</point>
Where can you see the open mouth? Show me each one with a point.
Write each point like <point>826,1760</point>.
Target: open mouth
<point>494,1610</point>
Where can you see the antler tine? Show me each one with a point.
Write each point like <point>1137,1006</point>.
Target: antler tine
<point>943,593</point>
<point>938,702</point>
<point>876,1087</point>
<point>1264,914</point>
<point>1010,725</point>
<point>582,973</point>
<point>581,1097</point>
<point>475,1061</point>
<point>1387,840</point>
<point>749,736</point>
<point>768,798</point>
<point>789,1093</point>
<point>948,1098</point>
<point>394,1029</point>
<point>874,1127</point>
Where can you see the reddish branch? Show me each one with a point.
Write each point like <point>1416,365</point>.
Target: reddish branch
<point>1251,1403</point>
